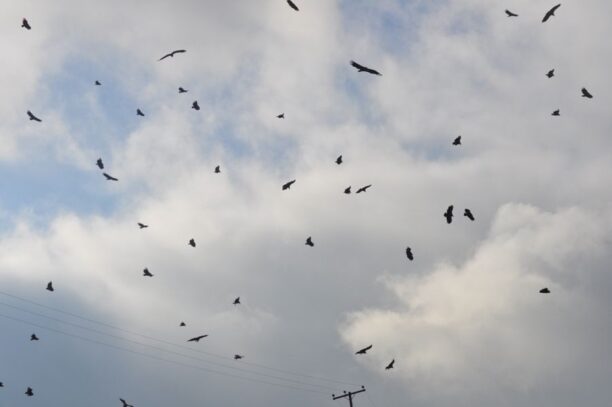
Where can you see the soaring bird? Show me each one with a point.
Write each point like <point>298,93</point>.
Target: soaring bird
<point>236,357</point>
<point>362,68</point>
<point>550,73</point>
<point>182,324</point>
<point>409,253</point>
<point>363,351</point>
<point>281,116</point>
<point>33,337</point>
<point>171,54</point>
<point>363,189</point>
<point>292,5</point>
<point>125,404</point>
<point>586,94</point>
<point>100,164</point>
<point>457,141</point>
<point>97,83</point>
<point>192,243</point>
<point>25,24</point>
<point>197,338</point>
<point>142,225</point>
<point>449,214</point>
<point>550,13</point>
<point>181,90</point>
<point>511,14</point>
<point>468,213</point>
<point>32,117</point>
<point>556,113</point>
<point>390,365</point>
<point>237,301</point>
<point>109,177</point>
<point>50,286</point>
<point>195,105</point>
<point>347,190</point>
<point>146,273</point>
<point>217,169</point>
<point>29,392</point>
<point>309,242</point>
<point>339,160</point>
<point>544,291</point>
<point>139,113</point>
<point>288,185</point>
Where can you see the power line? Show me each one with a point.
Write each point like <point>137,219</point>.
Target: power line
<point>349,394</point>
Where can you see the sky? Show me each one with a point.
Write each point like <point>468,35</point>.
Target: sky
<point>464,321</point>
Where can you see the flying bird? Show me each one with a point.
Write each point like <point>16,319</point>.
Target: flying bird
<point>288,185</point>
<point>511,14</point>
<point>390,365</point>
<point>347,190</point>
<point>292,5</point>
<point>409,253</point>
<point>363,351</point>
<point>142,225</point>
<point>171,54</point>
<point>197,338</point>
<point>33,337</point>
<point>195,105</point>
<point>339,160</point>
<point>236,357</point>
<point>586,94</point>
<point>32,117</point>
<point>468,214</point>
<point>1,384</point>
<point>550,73</point>
<point>545,291</point>
<point>50,286</point>
<point>556,113</point>
<point>29,392</point>
<point>449,214</point>
<point>181,90</point>
<point>100,164</point>
<point>182,324</point>
<point>109,177</point>
<point>237,301</point>
<point>97,83</point>
<point>217,169</point>
<point>550,13</point>
<point>125,404</point>
<point>362,68</point>
<point>309,242</point>
<point>146,273</point>
<point>192,243</point>
<point>25,24</point>
<point>363,189</point>
<point>457,141</point>
<point>139,113</point>
<point>281,116</point>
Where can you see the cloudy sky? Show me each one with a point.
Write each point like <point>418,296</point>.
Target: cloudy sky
<point>464,321</point>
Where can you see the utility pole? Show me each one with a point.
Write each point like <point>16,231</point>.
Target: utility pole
<point>349,394</point>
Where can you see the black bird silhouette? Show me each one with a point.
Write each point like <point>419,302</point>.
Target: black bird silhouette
<point>139,113</point>
<point>100,164</point>
<point>390,365</point>
<point>217,169</point>
<point>363,189</point>
<point>281,116</point>
<point>457,141</point>
<point>339,160</point>
<point>32,117</point>
<point>181,90</point>
<point>468,214</point>
<point>236,357</point>
<point>347,190</point>
<point>237,301</point>
<point>50,286</point>
<point>550,13</point>
<point>142,225</point>
<point>409,253</point>
<point>25,24</point>
<point>1,384</point>
<point>29,392</point>
<point>556,113</point>
<point>125,404</point>
<point>550,73</point>
<point>292,5</point>
<point>97,83</point>
<point>195,105</point>
<point>146,273</point>
<point>586,94</point>
<point>545,291</point>
<point>363,351</point>
<point>362,68</point>
<point>511,14</point>
<point>309,242</point>
<point>192,243</point>
<point>33,337</point>
<point>109,177</point>
<point>288,185</point>
<point>449,214</point>
<point>197,338</point>
<point>171,54</point>
<point>182,324</point>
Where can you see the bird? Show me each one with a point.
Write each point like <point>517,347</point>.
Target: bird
<point>288,185</point>
<point>171,54</point>
<point>339,160</point>
<point>192,243</point>
<point>217,169</point>
<point>1,384</point>
<point>292,5</point>
<point>97,83</point>
<point>195,105</point>
<point>25,24</point>
<point>390,365</point>
<point>33,337</point>
<point>556,113</point>
<point>109,177</point>
<point>29,392</point>
<point>364,350</point>
<point>197,338</point>
<point>449,214</point>
<point>32,117</point>
<point>236,357</point>
<point>182,90</point>
<point>125,404</point>
<point>586,94</point>
<point>309,242</point>
<point>550,13</point>
<point>237,301</point>
<point>139,113</point>
<point>363,189</point>
<point>142,225</point>
<point>100,164</point>
<point>281,116</point>
<point>409,253</point>
<point>544,291</point>
<point>511,14</point>
<point>457,141</point>
<point>347,190</point>
<point>182,324</point>
<point>50,286</point>
<point>146,273</point>
<point>468,213</point>
<point>550,73</point>
<point>362,68</point>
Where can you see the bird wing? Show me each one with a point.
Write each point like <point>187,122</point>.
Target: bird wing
<point>550,13</point>
<point>165,56</point>
<point>178,51</point>
<point>293,6</point>
<point>358,66</point>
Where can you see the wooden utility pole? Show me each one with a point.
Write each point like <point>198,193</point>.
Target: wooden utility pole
<point>349,394</point>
